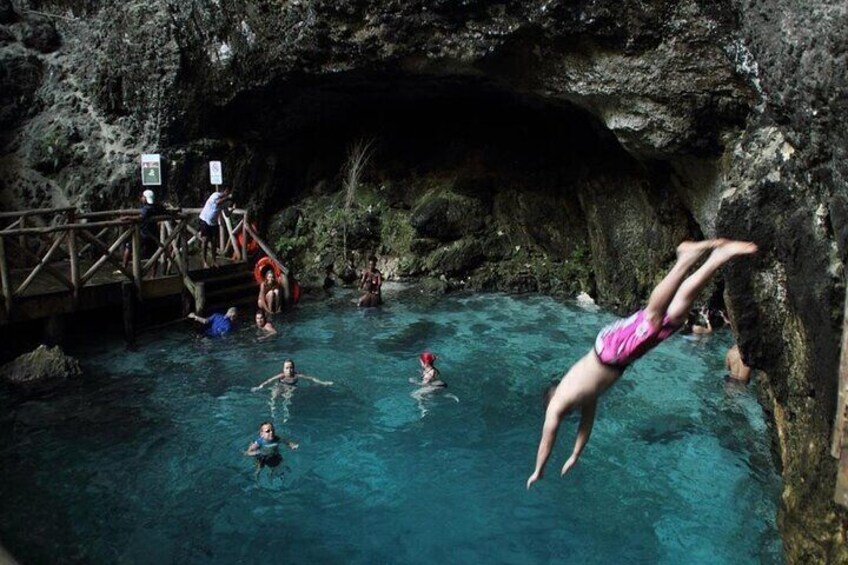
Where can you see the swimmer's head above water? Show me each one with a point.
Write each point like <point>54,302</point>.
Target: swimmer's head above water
<point>427,358</point>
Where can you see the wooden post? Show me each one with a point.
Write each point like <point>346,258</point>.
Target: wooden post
<point>200,298</point>
<point>838,448</point>
<point>4,277</point>
<point>72,253</point>
<point>183,243</point>
<point>136,257</point>
<point>22,241</point>
<point>187,301</point>
<point>128,293</point>
<point>244,237</point>
<point>221,243</point>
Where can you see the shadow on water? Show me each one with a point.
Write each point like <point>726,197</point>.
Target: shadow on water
<point>415,336</point>
<point>665,429</point>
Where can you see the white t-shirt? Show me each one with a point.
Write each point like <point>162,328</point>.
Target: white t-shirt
<point>209,214</point>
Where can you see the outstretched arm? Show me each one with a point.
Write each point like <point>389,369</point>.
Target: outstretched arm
<point>198,319</point>
<point>587,419</point>
<point>314,380</point>
<point>267,382</point>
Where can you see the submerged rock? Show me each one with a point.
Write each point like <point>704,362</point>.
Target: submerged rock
<point>43,366</point>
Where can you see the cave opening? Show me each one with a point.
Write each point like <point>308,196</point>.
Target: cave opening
<point>522,180</point>
<point>420,125</point>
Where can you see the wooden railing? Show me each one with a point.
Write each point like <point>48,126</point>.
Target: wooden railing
<point>76,249</point>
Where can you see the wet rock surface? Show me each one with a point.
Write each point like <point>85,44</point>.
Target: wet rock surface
<point>43,367</point>
<point>559,147</point>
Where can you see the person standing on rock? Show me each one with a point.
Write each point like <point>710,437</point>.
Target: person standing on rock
<point>209,217</point>
<point>621,343</point>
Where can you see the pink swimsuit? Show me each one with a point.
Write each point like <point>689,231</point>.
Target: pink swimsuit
<point>624,341</point>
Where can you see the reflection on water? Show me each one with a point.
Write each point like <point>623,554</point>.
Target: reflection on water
<point>142,462</point>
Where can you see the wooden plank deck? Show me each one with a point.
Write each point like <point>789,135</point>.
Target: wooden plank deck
<point>46,296</point>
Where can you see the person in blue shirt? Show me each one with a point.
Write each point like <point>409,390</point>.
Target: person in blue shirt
<point>217,324</point>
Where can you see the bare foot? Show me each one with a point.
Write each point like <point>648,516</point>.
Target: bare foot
<point>690,250</point>
<point>729,249</point>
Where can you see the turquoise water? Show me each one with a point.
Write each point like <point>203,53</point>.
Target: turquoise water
<point>142,463</point>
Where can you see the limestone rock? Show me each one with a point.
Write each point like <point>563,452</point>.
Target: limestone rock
<point>40,34</point>
<point>458,258</point>
<point>447,217</point>
<point>42,366</point>
<point>7,12</point>
<point>20,77</point>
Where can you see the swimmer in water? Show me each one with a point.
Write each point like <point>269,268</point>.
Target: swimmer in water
<point>624,341</point>
<point>216,325</point>
<point>262,324</point>
<point>284,385</point>
<point>431,381</point>
<point>265,448</point>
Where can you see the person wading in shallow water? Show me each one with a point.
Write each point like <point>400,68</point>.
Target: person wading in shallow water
<point>371,282</point>
<point>624,341</point>
<point>737,370</point>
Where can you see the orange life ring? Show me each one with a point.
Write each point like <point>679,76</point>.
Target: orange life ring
<point>261,265</point>
<point>252,246</point>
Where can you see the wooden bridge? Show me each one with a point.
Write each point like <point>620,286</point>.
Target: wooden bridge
<point>56,261</point>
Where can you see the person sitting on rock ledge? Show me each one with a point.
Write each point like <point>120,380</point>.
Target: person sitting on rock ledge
<point>371,282</point>
<point>216,325</point>
<point>621,343</point>
<point>270,299</point>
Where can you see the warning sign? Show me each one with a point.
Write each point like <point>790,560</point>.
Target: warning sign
<point>151,169</point>
<point>216,173</point>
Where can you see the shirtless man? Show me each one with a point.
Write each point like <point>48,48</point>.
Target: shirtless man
<point>736,367</point>
<point>263,324</point>
<point>624,341</point>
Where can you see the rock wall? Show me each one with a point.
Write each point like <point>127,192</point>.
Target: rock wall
<point>518,145</point>
<point>786,188</point>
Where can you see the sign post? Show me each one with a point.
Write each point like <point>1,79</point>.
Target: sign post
<point>216,173</point>
<point>151,169</point>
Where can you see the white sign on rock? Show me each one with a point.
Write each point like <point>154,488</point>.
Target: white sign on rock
<point>216,173</point>
<point>151,169</point>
